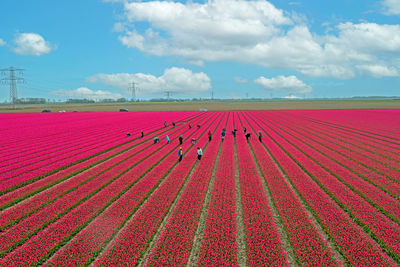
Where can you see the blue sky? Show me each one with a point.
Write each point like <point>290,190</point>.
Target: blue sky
<point>305,48</point>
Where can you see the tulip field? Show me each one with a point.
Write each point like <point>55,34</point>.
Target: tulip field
<point>319,187</point>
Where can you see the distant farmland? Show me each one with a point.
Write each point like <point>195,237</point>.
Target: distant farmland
<point>317,188</point>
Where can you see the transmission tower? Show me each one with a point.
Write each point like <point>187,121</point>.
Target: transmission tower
<point>12,80</point>
<point>133,89</point>
<point>212,95</point>
<point>168,93</point>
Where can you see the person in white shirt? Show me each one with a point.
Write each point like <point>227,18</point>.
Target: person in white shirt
<point>199,153</point>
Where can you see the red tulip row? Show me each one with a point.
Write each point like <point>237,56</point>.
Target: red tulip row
<point>89,124</point>
<point>42,243</point>
<point>75,181</point>
<point>103,227</point>
<point>61,197</point>
<point>219,246</point>
<point>49,160</point>
<point>175,242</point>
<point>343,162</point>
<point>263,244</point>
<point>372,122</point>
<point>134,238</point>
<point>384,230</point>
<point>348,139</point>
<point>353,153</point>
<point>60,175</point>
<point>309,246</point>
<point>37,149</point>
<point>370,188</point>
<point>351,241</point>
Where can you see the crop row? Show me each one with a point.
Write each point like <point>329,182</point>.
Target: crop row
<point>350,240</point>
<point>64,224</point>
<point>135,236</point>
<point>308,245</point>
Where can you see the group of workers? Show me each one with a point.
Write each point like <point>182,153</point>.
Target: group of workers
<point>199,150</point>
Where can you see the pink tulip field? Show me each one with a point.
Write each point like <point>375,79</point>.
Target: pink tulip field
<point>321,187</point>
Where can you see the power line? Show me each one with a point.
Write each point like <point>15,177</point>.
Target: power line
<point>12,80</point>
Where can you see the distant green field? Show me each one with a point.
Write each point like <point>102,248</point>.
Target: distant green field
<point>212,105</point>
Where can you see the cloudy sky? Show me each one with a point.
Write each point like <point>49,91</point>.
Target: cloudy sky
<point>233,48</point>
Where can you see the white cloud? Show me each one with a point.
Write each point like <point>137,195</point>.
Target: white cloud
<point>391,7</point>
<point>31,44</point>
<point>84,92</point>
<point>378,71</point>
<point>289,84</point>
<point>240,80</point>
<point>177,80</point>
<point>2,42</point>
<point>256,32</point>
<point>292,97</point>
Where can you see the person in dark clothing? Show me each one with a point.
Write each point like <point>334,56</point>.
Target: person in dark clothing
<point>260,136</point>
<point>128,134</point>
<point>173,124</point>
<point>223,136</point>
<point>156,140</point>
<point>244,130</point>
<point>142,134</point>
<point>199,153</point>
<point>198,126</point>
<point>209,136</point>
<point>180,154</point>
<point>180,140</point>
<point>165,124</point>
<point>190,126</point>
<point>234,133</point>
<point>248,136</point>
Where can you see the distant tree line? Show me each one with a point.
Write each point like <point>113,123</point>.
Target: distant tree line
<point>30,101</point>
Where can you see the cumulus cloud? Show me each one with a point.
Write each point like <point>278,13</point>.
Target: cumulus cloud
<point>391,7</point>
<point>177,80</point>
<point>378,71</point>
<point>32,44</point>
<point>2,42</point>
<point>289,84</point>
<point>256,32</point>
<point>84,92</point>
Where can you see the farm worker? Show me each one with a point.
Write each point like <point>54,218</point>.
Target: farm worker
<point>199,153</point>
<point>142,134</point>
<point>198,126</point>
<point>234,133</point>
<point>190,126</point>
<point>173,124</point>
<point>156,140</point>
<point>180,153</point>
<point>223,135</point>
<point>128,134</point>
<point>180,140</point>
<point>259,136</point>
<point>244,130</point>
<point>165,124</point>
<point>167,137</point>
<point>194,141</point>
<point>248,136</point>
<point>209,135</point>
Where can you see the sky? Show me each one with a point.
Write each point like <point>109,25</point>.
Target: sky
<point>229,48</point>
